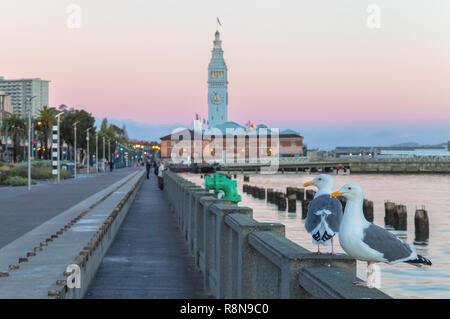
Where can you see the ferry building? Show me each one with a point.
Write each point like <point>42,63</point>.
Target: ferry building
<point>289,142</point>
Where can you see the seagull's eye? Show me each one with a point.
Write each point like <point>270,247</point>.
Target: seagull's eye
<point>349,188</point>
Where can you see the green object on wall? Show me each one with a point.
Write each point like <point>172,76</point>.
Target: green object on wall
<point>220,183</point>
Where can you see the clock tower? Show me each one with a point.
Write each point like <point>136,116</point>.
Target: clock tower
<point>217,86</point>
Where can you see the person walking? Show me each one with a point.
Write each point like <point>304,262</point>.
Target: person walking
<point>111,165</point>
<point>148,167</point>
<point>161,175</point>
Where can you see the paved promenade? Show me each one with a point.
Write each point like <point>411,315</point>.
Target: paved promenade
<point>22,210</point>
<point>149,257</point>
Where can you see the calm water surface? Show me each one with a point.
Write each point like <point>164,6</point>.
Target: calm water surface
<point>414,191</point>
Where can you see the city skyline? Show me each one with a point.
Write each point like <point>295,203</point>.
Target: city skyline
<point>290,64</point>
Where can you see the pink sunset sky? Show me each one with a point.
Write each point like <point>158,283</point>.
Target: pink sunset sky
<point>289,62</point>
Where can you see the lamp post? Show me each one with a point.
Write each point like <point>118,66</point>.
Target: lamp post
<point>75,148</point>
<point>109,150</point>
<point>96,152</point>
<point>104,168</point>
<point>59,148</point>
<point>87,155</point>
<point>29,143</point>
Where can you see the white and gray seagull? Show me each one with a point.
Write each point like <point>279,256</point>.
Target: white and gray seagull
<point>324,213</point>
<point>365,241</point>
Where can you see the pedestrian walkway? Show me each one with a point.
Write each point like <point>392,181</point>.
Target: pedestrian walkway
<point>149,257</point>
<point>22,210</point>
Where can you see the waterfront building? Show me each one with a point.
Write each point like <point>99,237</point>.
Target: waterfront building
<point>21,92</point>
<point>290,143</point>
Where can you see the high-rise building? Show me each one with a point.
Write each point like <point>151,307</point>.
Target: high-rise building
<point>22,92</point>
<point>217,86</point>
<point>5,106</point>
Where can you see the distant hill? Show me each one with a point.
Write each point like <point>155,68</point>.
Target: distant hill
<point>412,144</point>
<point>142,131</point>
<point>407,144</point>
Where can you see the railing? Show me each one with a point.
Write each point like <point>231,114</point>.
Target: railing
<point>240,257</point>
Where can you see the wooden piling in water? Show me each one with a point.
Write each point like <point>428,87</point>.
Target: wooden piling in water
<point>300,192</point>
<point>421,223</point>
<point>270,195</point>
<point>400,217</point>
<point>262,193</point>
<point>368,209</point>
<point>305,204</point>
<point>292,203</point>
<point>290,191</point>
<point>310,194</point>
<point>281,201</point>
<point>389,211</point>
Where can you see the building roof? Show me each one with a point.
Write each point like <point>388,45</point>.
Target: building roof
<point>232,125</point>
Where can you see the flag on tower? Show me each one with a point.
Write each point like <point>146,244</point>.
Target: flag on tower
<point>218,21</point>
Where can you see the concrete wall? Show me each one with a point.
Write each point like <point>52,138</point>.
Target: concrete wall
<point>240,257</point>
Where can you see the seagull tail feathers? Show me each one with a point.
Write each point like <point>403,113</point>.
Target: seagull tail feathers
<point>419,261</point>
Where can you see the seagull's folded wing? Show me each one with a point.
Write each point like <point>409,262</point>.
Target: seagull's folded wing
<point>393,249</point>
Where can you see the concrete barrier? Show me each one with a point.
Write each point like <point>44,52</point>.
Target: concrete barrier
<point>240,257</point>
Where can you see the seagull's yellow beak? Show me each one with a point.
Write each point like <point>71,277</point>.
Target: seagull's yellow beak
<point>336,194</point>
<point>310,183</point>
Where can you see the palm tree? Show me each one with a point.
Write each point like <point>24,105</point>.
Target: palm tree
<point>18,129</point>
<point>46,119</point>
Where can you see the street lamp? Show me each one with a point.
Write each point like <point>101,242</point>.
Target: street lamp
<point>59,149</point>
<point>104,168</point>
<point>75,148</point>
<point>96,152</point>
<point>87,155</point>
<point>29,143</point>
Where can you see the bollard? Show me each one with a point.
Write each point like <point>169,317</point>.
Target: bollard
<point>246,178</point>
<point>305,204</point>
<point>389,211</point>
<point>310,194</point>
<point>400,216</point>
<point>368,209</point>
<point>292,203</point>
<point>421,223</point>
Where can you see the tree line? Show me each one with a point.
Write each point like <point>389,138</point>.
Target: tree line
<point>16,126</point>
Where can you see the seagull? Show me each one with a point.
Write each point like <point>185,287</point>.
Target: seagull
<point>365,241</point>
<point>324,213</point>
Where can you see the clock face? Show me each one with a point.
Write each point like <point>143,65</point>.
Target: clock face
<point>216,98</point>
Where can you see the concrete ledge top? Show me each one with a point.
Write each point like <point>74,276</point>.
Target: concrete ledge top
<point>217,208</point>
<point>335,283</point>
<point>275,246</point>
<point>205,199</point>
<point>242,220</point>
